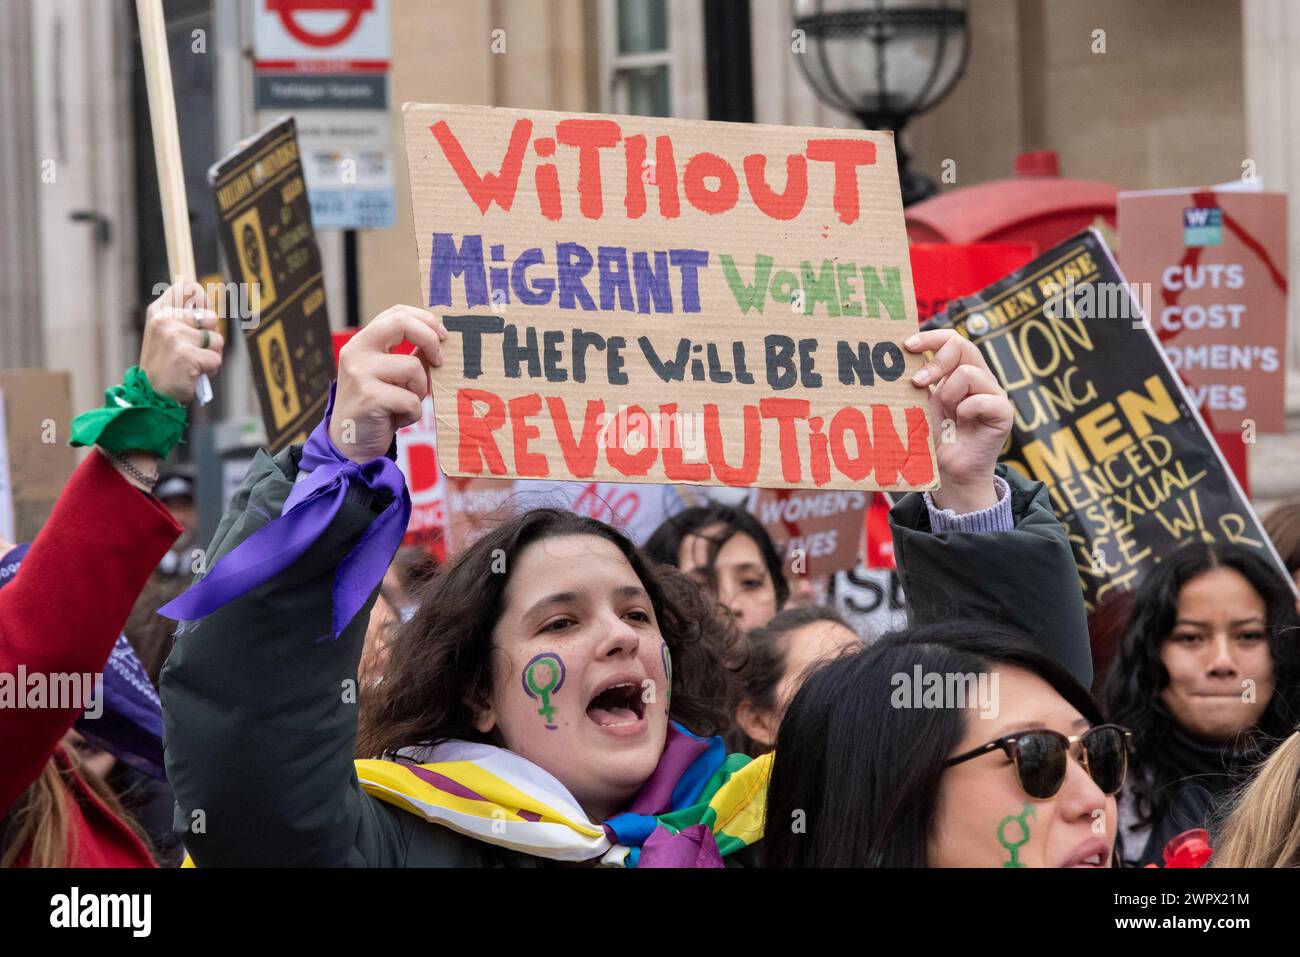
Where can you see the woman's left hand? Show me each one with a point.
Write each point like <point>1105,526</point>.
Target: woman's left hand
<point>975,418</point>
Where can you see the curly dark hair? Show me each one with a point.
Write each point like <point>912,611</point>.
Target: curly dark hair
<point>439,662</point>
<point>1131,693</point>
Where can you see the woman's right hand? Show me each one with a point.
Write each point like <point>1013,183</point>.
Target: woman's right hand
<point>969,396</point>
<point>180,342</point>
<point>380,392</point>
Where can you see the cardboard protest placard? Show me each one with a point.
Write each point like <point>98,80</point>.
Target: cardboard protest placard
<point>815,532</point>
<point>264,222</point>
<point>37,410</point>
<point>637,299</point>
<point>1101,418</point>
<point>1217,263</point>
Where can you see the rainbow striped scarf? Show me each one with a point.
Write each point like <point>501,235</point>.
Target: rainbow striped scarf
<point>698,806</point>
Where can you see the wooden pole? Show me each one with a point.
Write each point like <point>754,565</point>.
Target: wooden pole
<point>167,153</point>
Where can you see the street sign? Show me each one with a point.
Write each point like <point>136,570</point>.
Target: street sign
<point>298,34</point>
<point>326,63</point>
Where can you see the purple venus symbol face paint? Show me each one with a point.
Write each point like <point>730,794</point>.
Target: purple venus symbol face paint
<point>543,677</point>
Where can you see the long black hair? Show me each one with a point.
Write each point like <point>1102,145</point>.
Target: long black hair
<point>665,544</point>
<point>1137,676</point>
<point>855,780</point>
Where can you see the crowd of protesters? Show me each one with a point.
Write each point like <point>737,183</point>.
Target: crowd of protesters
<point>555,694</point>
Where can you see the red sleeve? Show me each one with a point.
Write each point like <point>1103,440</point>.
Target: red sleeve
<point>63,611</point>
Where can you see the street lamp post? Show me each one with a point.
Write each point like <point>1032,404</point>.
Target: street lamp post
<point>884,61</point>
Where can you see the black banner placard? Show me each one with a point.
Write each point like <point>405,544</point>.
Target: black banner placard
<point>270,247</point>
<point>1101,418</point>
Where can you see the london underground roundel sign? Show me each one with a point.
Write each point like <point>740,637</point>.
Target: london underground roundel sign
<point>301,29</point>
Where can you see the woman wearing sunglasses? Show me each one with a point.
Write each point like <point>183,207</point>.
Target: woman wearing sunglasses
<point>1000,760</point>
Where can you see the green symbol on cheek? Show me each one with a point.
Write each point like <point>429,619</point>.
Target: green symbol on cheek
<point>543,676</point>
<point>1013,846</point>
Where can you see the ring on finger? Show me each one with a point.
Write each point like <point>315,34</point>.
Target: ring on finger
<point>207,339</point>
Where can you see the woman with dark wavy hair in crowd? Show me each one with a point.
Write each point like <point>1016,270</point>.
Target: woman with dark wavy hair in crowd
<point>1207,676</point>
<point>729,553</point>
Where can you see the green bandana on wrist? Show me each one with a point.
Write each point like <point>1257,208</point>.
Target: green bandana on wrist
<point>133,417</point>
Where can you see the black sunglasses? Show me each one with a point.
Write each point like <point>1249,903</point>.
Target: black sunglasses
<point>1040,757</point>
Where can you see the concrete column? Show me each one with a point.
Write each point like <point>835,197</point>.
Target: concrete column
<point>21,342</point>
<point>82,130</point>
<point>782,96</point>
<point>1271,38</point>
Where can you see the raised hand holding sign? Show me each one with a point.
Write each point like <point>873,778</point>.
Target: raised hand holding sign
<point>974,416</point>
<point>180,342</point>
<point>380,392</point>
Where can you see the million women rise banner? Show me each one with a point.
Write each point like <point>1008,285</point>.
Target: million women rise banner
<point>265,229</point>
<point>1101,418</point>
<point>635,299</point>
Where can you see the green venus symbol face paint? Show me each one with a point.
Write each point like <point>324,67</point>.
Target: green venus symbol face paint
<point>543,677</point>
<point>1019,835</point>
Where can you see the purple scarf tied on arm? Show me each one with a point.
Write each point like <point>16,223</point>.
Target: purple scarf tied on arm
<point>308,512</point>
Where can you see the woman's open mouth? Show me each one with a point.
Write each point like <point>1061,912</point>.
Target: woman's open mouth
<point>1093,852</point>
<point>617,707</point>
